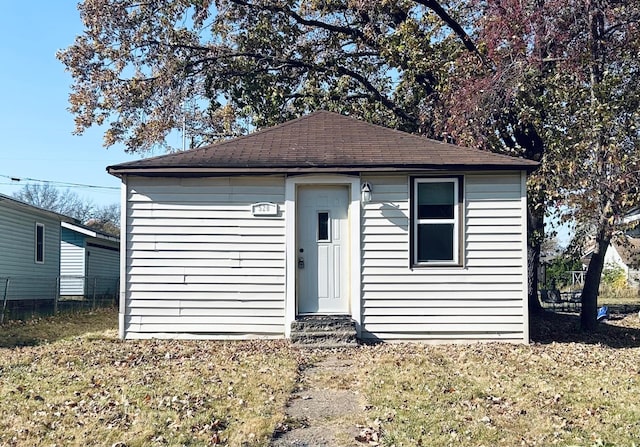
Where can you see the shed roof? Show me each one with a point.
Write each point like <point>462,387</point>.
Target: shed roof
<point>89,231</point>
<point>323,142</point>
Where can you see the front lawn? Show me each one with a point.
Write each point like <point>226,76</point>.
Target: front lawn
<point>80,385</point>
<point>96,390</point>
<point>582,391</point>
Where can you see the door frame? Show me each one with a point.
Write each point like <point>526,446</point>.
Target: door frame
<point>336,207</point>
<point>355,256</point>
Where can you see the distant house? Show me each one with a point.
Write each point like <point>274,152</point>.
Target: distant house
<point>89,261</point>
<point>623,252</point>
<point>412,239</point>
<point>29,250</point>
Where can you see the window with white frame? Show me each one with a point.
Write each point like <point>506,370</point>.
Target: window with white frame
<point>436,211</point>
<point>39,247</point>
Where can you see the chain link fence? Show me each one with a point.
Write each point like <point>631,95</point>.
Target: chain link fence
<point>24,297</point>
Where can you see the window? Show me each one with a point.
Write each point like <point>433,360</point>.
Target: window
<point>323,227</point>
<point>436,204</point>
<point>39,243</point>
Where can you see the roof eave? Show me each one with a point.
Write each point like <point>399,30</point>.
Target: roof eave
<point>204,170</point>
<point>90,232</point>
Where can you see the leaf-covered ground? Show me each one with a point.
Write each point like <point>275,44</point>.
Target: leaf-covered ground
<point>97,390</point>
<point>566,388</point>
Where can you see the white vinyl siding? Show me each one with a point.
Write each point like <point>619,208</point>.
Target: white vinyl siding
<point>102,261</point>
<point>198,263</point>
<point>483,300</point>
<point>89,264</point>
<point>29,280</point>
<point>72,264</point>
<point>103,269</point>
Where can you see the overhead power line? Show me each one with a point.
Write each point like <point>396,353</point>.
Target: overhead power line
<point>16,180</point>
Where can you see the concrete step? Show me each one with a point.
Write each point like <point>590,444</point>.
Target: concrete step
<point>324,331</point>
<point>306,338</point>
<point>316,323</point>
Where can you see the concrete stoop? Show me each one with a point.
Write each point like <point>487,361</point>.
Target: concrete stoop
<point>324,331</point>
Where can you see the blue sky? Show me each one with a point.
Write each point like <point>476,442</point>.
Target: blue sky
<point>34,121</point>
<point>36,127</point>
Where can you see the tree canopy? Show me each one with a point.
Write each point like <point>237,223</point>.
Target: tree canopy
<point>562,87</point>
<point>549,80</point>
<point>596,134</point>
<point>219,68</point>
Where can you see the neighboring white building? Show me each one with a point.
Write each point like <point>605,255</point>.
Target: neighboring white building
<point>238,239</point>
<point>625,253</point>
<point>29,251</point>
<point>89,261</point>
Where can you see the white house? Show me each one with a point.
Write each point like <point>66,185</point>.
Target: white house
<point>624,252</point>
<point>410,237</point>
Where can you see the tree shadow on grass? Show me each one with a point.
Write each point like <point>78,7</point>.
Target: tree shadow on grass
<point>620,331</point>
<point>12,338</point>
<point>44,330</point>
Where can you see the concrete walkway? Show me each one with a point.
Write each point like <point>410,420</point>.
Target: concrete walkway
<point>324,411</point>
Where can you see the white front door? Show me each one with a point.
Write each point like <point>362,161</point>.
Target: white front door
<point>322,249</point>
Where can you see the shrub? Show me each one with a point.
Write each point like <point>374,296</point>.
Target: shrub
<point>614,281</point>
<point>558,272</point>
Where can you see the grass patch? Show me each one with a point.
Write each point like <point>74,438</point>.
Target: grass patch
<point>618,292</point>
<point>69,381</point>
<point>48,329</point>
<point>573,393</point>
<point>619,299</point>
<point>94,389</point>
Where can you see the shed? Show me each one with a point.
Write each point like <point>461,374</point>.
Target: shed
<point>30,250</point>
<point>412,238</point>
<point>89,261</point>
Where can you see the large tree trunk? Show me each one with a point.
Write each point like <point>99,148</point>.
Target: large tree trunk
<point>589,312</point>
<point>535,229</point>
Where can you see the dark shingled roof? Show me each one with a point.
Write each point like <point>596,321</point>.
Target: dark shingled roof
<point>629,250</point>
<point>323,142</point>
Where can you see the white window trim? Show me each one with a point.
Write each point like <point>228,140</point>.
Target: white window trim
<point>455,221</point>
<point>35,254</point>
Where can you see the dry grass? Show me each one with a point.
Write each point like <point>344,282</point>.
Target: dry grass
<point>608,299</point>
<point>96,390</point>
<point>49,329</point>
<point>566,388</point>
<point>584,390</point>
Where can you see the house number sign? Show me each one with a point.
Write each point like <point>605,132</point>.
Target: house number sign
<point>264,209</point>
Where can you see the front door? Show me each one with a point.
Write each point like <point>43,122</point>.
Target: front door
<point>322,249</point>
